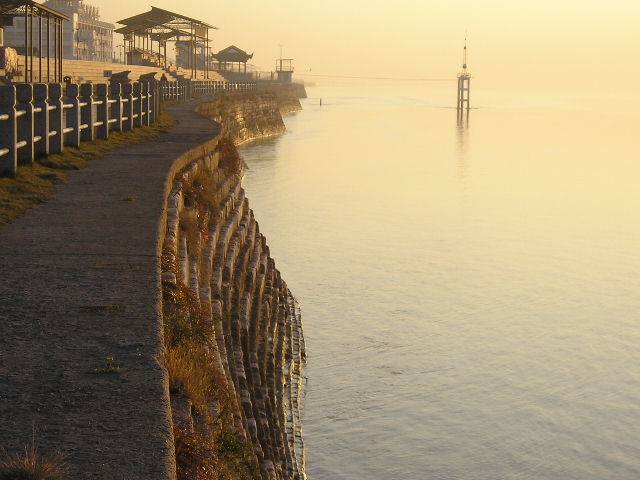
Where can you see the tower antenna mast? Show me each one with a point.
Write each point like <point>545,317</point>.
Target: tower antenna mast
<point>464,55</point>
<point>464,84</point>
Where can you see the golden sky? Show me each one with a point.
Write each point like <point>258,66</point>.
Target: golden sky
<point>545,44</point>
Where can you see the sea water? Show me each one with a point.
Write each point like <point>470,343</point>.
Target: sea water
<point>470,290</point>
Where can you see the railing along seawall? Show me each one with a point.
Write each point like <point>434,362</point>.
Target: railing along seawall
<point>38,119</point>
<point>207,87</point>
<point>41,119</point>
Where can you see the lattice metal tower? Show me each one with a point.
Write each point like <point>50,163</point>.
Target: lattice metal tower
<point>464,84</point>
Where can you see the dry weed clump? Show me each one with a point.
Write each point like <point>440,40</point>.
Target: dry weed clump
<point>204,191</point>
<point>189,376</point>
<point>33,466</point>
<point>184,324</point>
<point>230,160</point>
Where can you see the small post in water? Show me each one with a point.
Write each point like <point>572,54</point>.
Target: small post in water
<point>464,85</point>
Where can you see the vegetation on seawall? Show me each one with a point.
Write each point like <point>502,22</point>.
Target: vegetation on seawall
<point>33,184</point>
<point>210,447</point>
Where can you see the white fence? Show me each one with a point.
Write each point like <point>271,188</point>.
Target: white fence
<point>208,87</point>
<point>39,119</point>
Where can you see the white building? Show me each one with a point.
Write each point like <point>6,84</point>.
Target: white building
<point>85,36</point>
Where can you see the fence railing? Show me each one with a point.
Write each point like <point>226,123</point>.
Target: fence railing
<point>179,91</point>
<point>40,119</point>
<point>205,87</point>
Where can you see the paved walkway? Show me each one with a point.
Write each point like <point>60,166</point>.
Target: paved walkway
<point>79,283</point>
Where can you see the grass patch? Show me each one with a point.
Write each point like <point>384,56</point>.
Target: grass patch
<point>190,377</point>
<point>33,184</point>
<point>33,466</point>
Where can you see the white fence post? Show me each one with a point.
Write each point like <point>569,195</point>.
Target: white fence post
<point>72,114</point>
<point>8,131</point>
<point>41,119</point>
<point>86,112</point>
<point>24,113</point>
<point>102,111</point>
<point>115,118</point>
<point>137,105</point>
<point>127,107</point>
<point>145,104</point>
<point>56,118</point>
<point>153,98</point>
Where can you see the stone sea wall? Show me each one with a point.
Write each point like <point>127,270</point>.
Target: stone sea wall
<point>245,117</point>
<point>146,332</point>
<point>232,329</point>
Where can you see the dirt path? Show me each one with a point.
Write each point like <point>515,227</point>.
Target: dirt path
<point>79,283</point>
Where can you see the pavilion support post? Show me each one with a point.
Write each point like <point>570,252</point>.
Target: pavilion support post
<point>205,54</point>
<point>40,48</point>
<point>48,47</point>
<point>60,49</point>
<point>31,45</point>
<point>55,50</point>
<point>194,67</point>
<point>26,46</point>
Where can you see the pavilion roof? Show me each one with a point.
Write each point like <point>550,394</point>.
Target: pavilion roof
<point>160,18</point>
<point>232,54</point>
<point>162,31</point>
<point>16,8</point>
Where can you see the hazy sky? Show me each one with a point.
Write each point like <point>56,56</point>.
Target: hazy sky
<point>545,43</point>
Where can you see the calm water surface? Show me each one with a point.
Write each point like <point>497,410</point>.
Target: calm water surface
<point>471,294</point>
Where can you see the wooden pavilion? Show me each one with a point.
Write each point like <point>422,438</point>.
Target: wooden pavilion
<point>228,58</point>
<point>160,26</point>
<point>43,28</point>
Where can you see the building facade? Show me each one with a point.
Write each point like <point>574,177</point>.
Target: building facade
<point>86,37</point>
